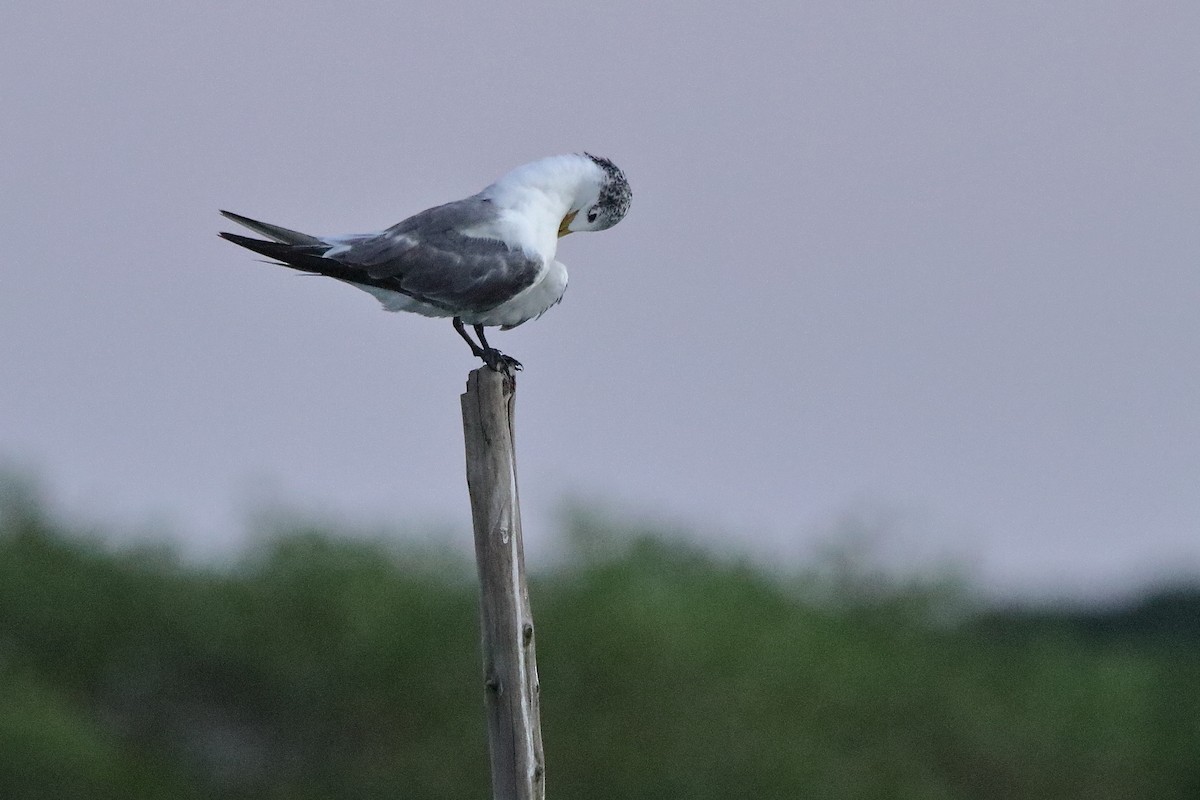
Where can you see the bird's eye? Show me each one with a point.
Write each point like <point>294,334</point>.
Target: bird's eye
<point>595,212</point>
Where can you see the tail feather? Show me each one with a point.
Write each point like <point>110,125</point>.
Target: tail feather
<point>281,235</point>
<point>309,258</point>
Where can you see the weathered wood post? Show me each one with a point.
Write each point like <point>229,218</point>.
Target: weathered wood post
<point>509,666</point>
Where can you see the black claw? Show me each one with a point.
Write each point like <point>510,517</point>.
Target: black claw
<point>498,362</point>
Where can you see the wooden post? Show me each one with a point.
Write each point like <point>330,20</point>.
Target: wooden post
<point>509,667</point>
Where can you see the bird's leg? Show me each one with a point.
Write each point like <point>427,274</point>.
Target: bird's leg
<point>476,350</point>
<point>506,364</point>
<point>496,361</point>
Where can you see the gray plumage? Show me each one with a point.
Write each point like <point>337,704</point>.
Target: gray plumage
<point>431,260</point>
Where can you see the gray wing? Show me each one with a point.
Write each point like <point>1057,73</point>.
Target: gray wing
<point>427,257</point>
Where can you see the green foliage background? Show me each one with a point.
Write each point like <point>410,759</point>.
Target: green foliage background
<point>327,667</point>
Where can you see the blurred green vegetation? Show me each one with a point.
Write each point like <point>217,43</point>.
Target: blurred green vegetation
<point>333,667</point>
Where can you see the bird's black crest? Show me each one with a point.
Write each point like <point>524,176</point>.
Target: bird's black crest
<point>616,194</point>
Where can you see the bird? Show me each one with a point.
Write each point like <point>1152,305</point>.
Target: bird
<point>488,260</point>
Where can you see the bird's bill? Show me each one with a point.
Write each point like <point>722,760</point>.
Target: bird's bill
<point>564,227</point>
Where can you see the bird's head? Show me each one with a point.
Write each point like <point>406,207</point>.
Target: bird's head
<point>601,198</point>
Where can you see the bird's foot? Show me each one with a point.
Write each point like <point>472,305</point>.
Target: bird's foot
<point>498,362</point>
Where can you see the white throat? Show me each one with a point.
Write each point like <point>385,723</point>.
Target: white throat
<point>535,197</point>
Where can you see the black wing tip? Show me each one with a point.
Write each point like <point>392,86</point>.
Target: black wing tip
<point>239,219</point>
<point>260,246</point>
<point>237,238</point>
<point>285,255</point>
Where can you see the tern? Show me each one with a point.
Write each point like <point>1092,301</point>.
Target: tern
<point>487,260</point>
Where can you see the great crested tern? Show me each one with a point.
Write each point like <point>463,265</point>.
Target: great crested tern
<point>486,260</point>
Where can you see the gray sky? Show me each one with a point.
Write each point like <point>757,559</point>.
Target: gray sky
<point>929,267</point>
